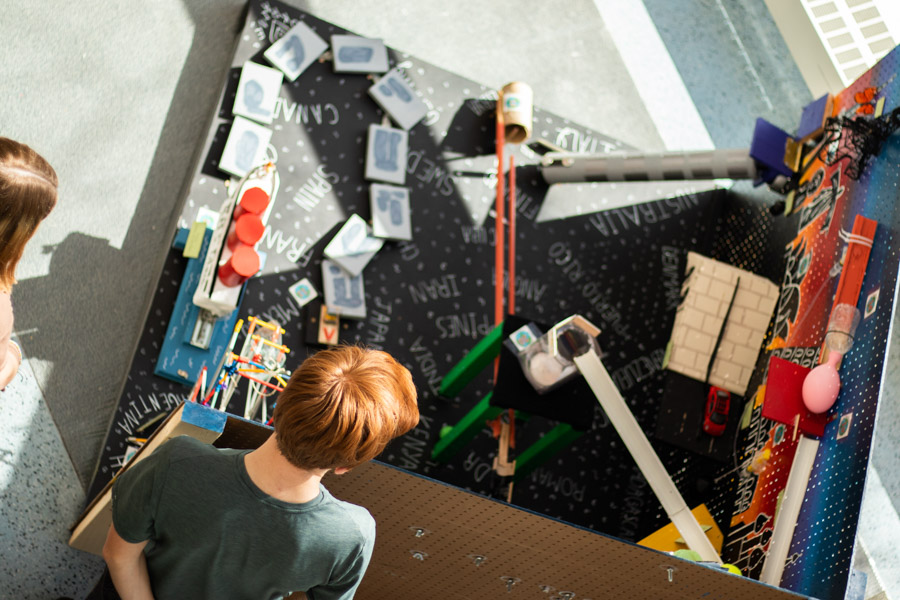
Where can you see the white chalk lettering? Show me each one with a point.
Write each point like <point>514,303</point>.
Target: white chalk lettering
<point>304,113</point>
<point>408,251</point>
<point>412,449</point>
<point>671,276</point>
<point>432,173</point>
<point>379,321</point>
<point>290,246</point>
<point>634,502</point>
<point>563,257</point>
<point>316,188</point>
<point>529,289</point>
<point>478,235</point>
<point>612,222</point>
<point>280,313</point>
<point>638,370</point>
<point>574,140</point>
<point>470,325</point>
<point>478,467</point>
<point>609,314</point>
<point>566,486</point>
<point>427,365</point>
<point>483,103</point>
<point>526,206</point>
<point>434,288</point>
<point>137,410</point>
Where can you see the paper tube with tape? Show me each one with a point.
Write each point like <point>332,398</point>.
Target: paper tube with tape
<point>517,102</point>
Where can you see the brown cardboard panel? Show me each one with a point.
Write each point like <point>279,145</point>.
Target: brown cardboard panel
<point>430,536</point>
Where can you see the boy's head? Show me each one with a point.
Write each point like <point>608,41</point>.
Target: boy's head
<point>342,406</point>
<point>27,195</point>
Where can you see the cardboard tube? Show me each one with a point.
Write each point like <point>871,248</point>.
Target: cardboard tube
<point>243,264</point>
<point>246,229</point>
<point>517,101</point>
<point>255,200</point>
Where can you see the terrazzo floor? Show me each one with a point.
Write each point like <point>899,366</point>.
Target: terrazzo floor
<point>40,497</point>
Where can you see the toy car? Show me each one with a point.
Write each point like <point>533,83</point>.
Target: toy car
<point>715,417</point>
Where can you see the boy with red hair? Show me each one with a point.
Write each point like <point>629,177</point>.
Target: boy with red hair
<point>194,521</point>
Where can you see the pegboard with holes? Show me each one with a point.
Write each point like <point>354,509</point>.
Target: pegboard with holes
<point>437,541</point>
<point>821,550</point>
<point>430,300</point>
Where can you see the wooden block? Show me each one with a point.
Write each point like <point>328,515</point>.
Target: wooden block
<point>194,243</point>
<point>303,292</point>
<point>668,539</point>
<point>855,263</point>
<point>353,246</point>
<point>386,154</point>
<point>784,400</point>
<point>354,54</point>
<point>397,97</point>
<point>245,147</point>
<point>257,92</point>
<point>296,50</point>
<point>390,212</point>
<point>344,293</point>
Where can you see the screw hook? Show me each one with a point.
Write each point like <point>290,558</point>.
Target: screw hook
<point>510,582</point>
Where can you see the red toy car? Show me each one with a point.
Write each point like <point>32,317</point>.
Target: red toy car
<point>715,417</point>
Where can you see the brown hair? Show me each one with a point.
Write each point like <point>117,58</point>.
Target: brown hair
<point>27,195</point>
<point>342,407</point>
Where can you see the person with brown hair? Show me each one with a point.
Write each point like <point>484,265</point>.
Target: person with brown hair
<point>28,189</point>
<point>194,521</point>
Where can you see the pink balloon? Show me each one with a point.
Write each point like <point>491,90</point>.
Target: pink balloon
<point>821,386</point>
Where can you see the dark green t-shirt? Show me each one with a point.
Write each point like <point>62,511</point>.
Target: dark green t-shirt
<point>214,534</point>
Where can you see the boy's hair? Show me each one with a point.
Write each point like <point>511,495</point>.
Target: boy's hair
<point>27,195</point>
<point>342,406</point>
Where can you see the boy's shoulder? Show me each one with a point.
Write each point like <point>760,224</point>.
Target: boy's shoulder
<point>358,516</point>
<point>185,445</point>
<point>186,448</point>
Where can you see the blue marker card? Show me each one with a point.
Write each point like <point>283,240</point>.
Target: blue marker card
<point>303,292</point>
<point>390,212</point>
<point>354,54</point>
<point>344,293</point>
<point>523,337</point>
<point>386,154</point>
<point>245,147</point>
<point>397,97</point>
<point>353,246</point>
<point>257,92</point>
<point>296,50</point>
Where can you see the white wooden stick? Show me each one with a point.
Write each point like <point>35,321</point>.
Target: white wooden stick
<point>786,519</point>
<point>644,455</point>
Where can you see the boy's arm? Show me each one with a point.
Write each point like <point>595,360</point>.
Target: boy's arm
<point>127,567</point>
<point>9,363</point>
<point>344,586</point>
